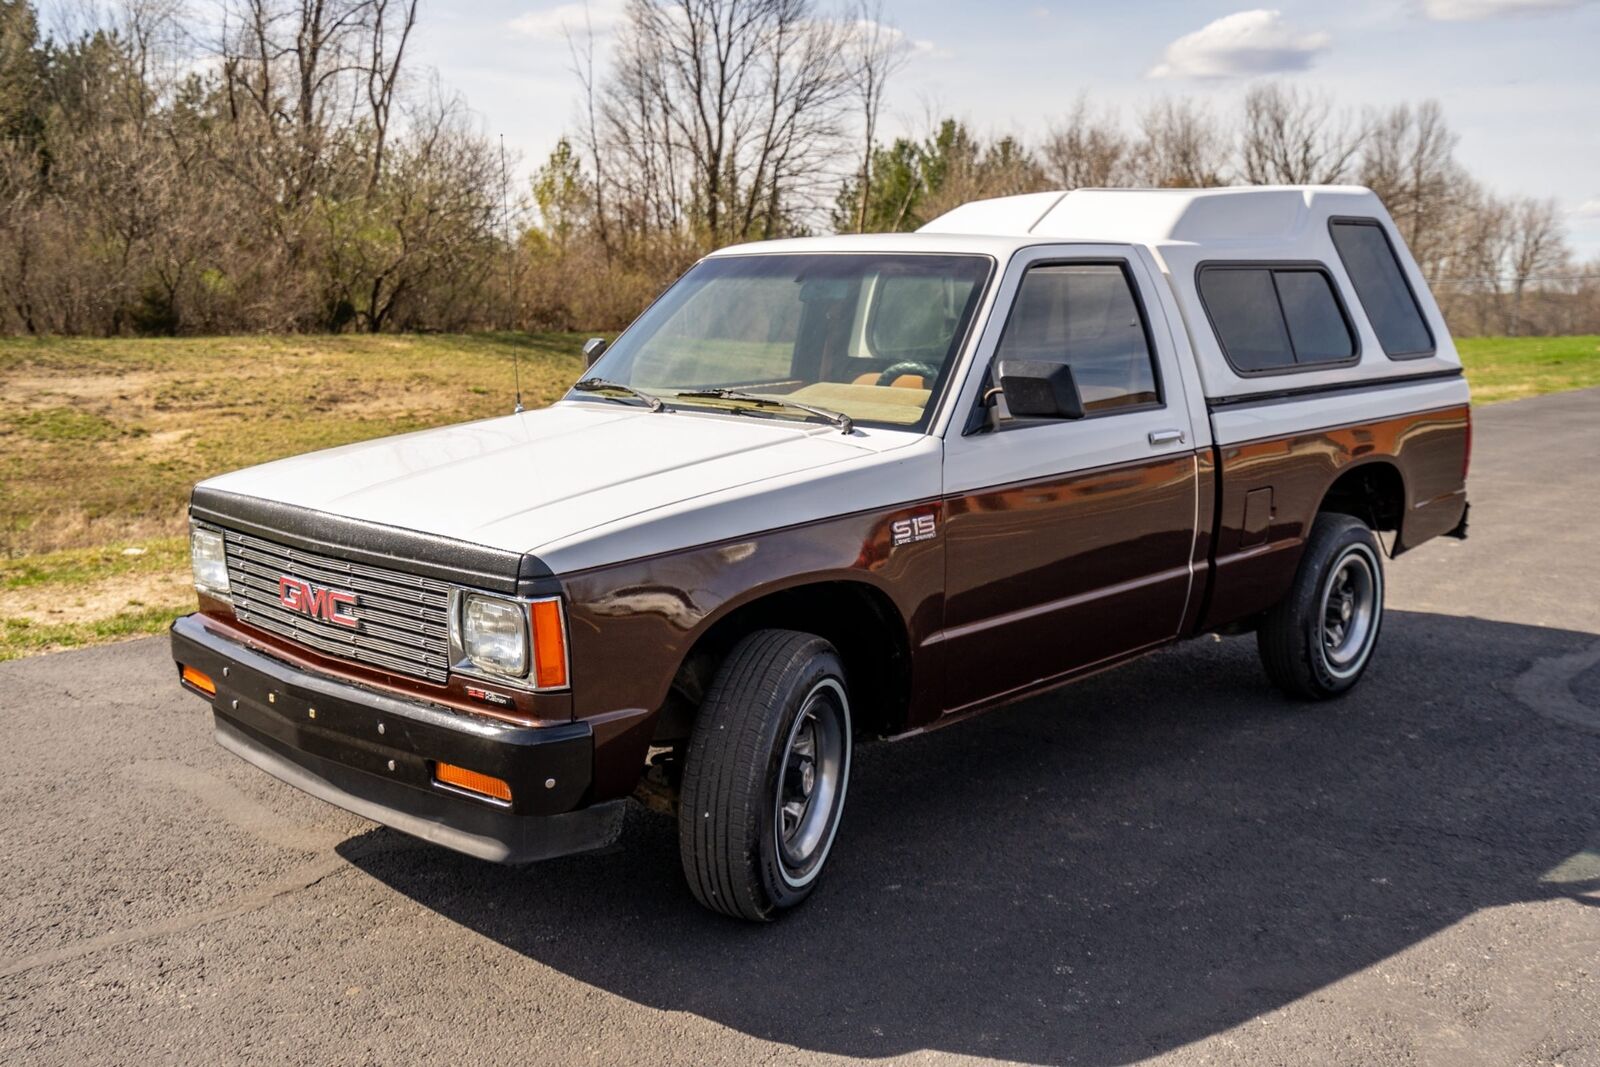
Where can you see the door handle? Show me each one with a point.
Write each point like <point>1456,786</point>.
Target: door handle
<point>1166,437</point>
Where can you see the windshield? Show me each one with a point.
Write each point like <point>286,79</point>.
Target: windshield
<point>873,337</point>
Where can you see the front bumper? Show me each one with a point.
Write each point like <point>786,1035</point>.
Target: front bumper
<point>375,754</point>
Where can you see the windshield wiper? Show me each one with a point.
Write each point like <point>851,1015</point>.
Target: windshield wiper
<point>601,386</point>
<point>837,418</point>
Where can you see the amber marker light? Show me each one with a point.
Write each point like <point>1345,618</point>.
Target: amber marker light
<point>200,680</point>
<point>472,781</point>
<point>549,644</point>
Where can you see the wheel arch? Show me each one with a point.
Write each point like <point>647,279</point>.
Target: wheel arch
<point>857,617</point>
<point>1372,489</point>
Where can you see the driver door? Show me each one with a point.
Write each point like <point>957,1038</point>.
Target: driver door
<point>1069,541</point>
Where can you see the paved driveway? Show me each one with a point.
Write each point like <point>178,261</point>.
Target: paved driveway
<point>1168,861</point>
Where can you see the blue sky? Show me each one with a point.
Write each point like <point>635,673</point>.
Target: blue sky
<point>1518,79</point>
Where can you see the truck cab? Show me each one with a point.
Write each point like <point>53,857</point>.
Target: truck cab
<point>832,489</point>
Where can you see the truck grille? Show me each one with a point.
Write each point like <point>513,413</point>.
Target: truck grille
<point>402,618</point>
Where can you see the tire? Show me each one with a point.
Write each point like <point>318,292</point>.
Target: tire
<point>778,703</point>
<point>1317,641</point>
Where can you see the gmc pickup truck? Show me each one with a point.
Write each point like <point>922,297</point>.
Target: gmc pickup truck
<point>838,488</point>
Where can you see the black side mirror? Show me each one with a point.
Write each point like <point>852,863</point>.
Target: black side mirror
<point>1039,390</point>
<point>593,349</point>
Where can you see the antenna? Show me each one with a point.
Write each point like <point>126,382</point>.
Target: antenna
<point>511,252</point>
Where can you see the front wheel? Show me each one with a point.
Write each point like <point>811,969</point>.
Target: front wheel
<point>765,777</point>
<point>1316,642</point>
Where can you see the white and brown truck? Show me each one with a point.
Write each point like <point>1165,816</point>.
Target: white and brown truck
<point>836,488</point>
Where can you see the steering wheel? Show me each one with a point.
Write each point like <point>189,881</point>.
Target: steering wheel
<point>925,371</point>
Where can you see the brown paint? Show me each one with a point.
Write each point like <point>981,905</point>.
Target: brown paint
<point>1254,572</point>
<point>1049,577</point>
<point>633,624</point>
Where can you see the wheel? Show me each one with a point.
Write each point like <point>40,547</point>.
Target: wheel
<point>1318,640</point>
<point>765,777</point>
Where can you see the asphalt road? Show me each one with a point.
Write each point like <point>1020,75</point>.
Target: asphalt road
<point>1167,861</point>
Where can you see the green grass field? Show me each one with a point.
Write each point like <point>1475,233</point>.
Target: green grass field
<point>101,440</point>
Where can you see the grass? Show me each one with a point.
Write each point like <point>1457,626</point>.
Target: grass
<point>100,441</point>
<point>1510,368</point>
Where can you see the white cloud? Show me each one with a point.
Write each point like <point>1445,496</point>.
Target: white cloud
<point>1589,209</point>
<point>1242,44</point>
<point>1473,10</point>
<point>554,23</point>
<point>864,30</point>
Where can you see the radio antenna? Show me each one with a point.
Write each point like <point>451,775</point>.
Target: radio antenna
<point>511,251</point>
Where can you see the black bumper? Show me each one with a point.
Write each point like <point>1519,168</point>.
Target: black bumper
<point>374,754</point>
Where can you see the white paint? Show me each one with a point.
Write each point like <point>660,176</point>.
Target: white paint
<point>579,478</point>
<point>1284,418</point>
<point>1183,228</point>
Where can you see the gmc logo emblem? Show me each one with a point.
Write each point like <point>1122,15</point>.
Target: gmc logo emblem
<point>329,605</point>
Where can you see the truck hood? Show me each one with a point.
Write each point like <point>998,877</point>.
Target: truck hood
<point>524,481</point>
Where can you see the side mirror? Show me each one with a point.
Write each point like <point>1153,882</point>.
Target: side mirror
<point>593,349</point>
<point>1039,390</point>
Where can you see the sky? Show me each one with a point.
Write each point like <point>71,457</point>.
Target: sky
<point>1518,79</point>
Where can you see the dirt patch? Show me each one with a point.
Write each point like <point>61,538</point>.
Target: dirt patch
<point>46,390</point>
<point>93,601</point>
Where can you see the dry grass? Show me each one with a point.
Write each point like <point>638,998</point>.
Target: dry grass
<point>101,440</point>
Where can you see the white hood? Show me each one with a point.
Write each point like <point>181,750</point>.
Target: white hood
<point>546,477</point>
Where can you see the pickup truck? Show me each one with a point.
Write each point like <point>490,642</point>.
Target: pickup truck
<point>839,488</point>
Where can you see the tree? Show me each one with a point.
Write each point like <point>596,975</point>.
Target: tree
<point>875,51</point>
<point>1085,149</point>
<point>720,117</point>
<point>1408,159</point>
<point>559,194</point>
<point>1183,147</point>
<point>1291,137</point>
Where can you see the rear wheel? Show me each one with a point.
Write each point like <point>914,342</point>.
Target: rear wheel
<point>1316,642</point>
<point>765,778</point>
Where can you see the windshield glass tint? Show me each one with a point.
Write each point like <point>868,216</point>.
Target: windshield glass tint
<point>874,337</point>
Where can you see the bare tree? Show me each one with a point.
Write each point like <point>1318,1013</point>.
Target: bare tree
<point>1184,146</point>
<point>1087,149</point>
<point>1408,159</point>
<point>390,28</point>
<point>1537,247</point>
<point>1294,137</point>
<point>724,114</point>
<point>876,51</point>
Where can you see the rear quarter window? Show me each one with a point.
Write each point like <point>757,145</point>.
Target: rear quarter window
<point>1274,318</point>
<point>1381,286</point>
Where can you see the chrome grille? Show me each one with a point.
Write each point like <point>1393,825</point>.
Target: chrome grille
<point>402,617</point>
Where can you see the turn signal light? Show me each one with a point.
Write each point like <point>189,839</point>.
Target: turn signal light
<point>471,781</point>
<point>549,644</point>
<point>200,680</point>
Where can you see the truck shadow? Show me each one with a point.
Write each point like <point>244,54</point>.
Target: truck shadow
<point>1101,874</point>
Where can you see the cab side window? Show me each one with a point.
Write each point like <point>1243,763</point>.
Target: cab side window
<point>1085,315</point>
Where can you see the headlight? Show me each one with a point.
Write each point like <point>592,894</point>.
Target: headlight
<point>494,635</point>
<point>210,562</point>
